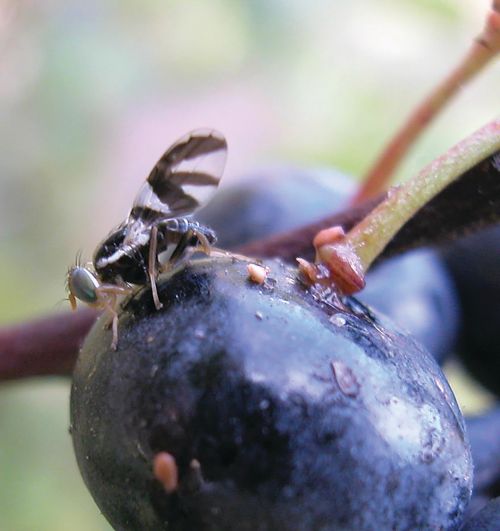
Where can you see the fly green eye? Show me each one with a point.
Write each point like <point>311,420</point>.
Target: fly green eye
<point>83,284</point>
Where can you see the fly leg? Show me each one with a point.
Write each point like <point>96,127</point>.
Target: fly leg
<point>203,242</point>
<point>107,295</point>
<point>182,245</point>
<point>111,308</point>
<point>194,239</point>
<point>188,235</point>
<point>72,301</point>
<point>153,249</point>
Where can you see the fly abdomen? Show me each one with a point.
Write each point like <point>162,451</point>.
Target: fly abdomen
<point>177,225</point>
<point>115,260</point>
<point>207,232</point>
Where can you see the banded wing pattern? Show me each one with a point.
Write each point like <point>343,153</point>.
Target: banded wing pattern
<point>184,179</point>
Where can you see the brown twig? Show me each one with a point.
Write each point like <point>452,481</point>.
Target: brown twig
<point>484,48</point>
<point>49,346</point>
<point>299,242</point>
<point>45,346</point>
<point>468,169</point>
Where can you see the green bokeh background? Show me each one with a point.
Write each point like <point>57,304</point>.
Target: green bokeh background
<point>92,92</point>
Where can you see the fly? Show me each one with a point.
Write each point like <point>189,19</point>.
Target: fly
<point>159,223</point>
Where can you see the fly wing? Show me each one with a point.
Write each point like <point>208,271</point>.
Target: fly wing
<point>185,177</point>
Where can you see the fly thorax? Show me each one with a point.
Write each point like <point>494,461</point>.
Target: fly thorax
<point>180,225</point>
<point>137,235</point>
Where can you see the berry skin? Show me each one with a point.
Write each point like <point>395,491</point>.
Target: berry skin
<point>484,436</point>
<point>487,519</point>
<point>277,410</point>
<point>272,201</point>
<point>474,264</point>
<point>414,290</point>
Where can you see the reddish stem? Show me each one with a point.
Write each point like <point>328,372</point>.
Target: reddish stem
<point>45,346</point>
<point>50,345</point>
<point>289,245</point>
<point>484,48</point>
<point>350,256</point>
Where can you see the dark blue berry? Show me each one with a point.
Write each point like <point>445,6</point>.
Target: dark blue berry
<point>276,409</point>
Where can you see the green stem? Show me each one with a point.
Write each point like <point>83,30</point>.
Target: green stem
<point>369,237</point>
<point>482,51</point>
<point>347,257</point>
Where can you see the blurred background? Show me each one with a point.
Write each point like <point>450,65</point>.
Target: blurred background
<point>91,93</point>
